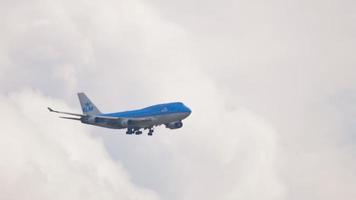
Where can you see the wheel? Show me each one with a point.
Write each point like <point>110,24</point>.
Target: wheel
<point>138,132</point>
<point>150,131</point>
<point>129,131</point>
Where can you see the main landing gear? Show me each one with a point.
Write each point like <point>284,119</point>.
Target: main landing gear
<point>150,132</point>
<point>136,131</point>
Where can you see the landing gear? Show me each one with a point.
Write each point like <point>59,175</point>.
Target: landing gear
<point>150,132</point>
<point>130,131</point>
<point>137,131</point>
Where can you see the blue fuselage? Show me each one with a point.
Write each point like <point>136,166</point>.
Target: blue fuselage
<point>153,111</point>
<point>169,114</point>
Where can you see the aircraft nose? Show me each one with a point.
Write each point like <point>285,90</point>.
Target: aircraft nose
<point>188,109</point>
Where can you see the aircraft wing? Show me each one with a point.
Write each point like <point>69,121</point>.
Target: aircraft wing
<point>67,113</point>
<point>130,122</point>
<point>134,122</point>
<point>139,121</point>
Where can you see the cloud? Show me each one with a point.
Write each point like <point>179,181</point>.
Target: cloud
<point>271,85</point>
<point>43,158</point>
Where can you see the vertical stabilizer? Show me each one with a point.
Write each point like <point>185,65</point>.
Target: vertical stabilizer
<point>88,107</point>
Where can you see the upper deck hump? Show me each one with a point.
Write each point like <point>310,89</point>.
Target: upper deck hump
<point>145,112</point>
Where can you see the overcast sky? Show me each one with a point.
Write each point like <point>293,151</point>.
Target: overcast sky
<point>272,87</point>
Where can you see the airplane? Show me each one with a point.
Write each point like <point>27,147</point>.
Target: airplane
<point>168,114</point>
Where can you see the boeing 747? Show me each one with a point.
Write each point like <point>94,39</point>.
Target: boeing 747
<point>168,114</point>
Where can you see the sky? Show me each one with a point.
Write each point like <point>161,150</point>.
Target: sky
<point>272,87</point>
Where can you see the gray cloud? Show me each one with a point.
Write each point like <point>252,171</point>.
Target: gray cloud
<point>271,85</point>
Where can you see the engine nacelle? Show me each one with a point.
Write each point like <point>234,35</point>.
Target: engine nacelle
<point>174,125</point>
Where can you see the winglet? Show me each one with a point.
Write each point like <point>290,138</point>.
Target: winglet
<point>50,109</point>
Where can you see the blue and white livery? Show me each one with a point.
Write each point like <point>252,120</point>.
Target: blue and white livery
<point>168,114</point>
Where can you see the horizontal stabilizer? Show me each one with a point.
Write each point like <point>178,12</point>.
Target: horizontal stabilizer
<point>72,118</point>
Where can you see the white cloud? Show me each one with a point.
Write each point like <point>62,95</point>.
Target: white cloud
<point>46,158</point>
<point>270,85</point>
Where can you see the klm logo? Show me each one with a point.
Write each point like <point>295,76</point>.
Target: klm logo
<point>88,107</point>
<point>164,109</point>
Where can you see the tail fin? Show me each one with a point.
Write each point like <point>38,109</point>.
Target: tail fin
<point>87,106</point>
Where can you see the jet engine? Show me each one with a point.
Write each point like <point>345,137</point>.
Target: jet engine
<point>174,125</point>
